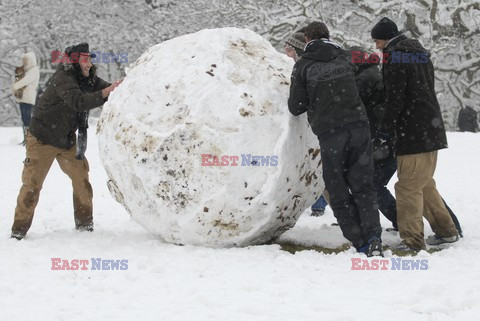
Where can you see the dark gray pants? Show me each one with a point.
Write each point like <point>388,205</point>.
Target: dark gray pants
<point>348,175</point>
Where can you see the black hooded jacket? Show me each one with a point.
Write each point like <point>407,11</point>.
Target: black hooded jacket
<point>323,85</point>
<point>370,87</point>
<point>411,105</point>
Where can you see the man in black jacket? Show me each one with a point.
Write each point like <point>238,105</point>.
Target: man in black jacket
<point>323,85</point>
<point>72,91</point>
<point>370,88</point>
<point>413,113</point>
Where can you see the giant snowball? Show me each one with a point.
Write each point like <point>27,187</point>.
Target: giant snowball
<point>199,144</point>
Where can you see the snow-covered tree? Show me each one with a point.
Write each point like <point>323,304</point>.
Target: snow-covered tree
<point>448,28</point>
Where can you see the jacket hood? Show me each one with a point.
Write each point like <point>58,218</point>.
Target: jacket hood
<point>29,60</point>
<point>402,43</point>
<point>321,50</point>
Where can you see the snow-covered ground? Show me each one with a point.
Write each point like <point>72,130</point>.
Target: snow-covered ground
<point>169,282</point>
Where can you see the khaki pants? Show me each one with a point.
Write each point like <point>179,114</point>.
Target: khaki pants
<point>416,194</point>
<point>36,166</point>
<point>326,195</point>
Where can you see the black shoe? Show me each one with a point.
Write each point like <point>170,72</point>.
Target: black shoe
<point>374,247</point>
<point>85,228</point>
<point>318,212</point>
<point>17,236</point>
<point>391,229</point>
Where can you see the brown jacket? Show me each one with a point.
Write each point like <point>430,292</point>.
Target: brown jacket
<point>55,119</point>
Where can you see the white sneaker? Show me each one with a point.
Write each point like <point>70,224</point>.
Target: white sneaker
<point>437,240</point>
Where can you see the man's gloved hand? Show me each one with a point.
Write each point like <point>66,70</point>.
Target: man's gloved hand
<point>82,134</point>
<point>383,137</point>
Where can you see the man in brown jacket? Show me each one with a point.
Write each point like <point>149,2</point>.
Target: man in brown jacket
<point>73,89</point>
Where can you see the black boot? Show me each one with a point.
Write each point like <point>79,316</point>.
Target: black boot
<point>17,235</point>
<point>374,247</point>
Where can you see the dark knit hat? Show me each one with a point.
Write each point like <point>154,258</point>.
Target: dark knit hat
<point>317,30</point>
<point>81,48</point>
<point>297,40</point>
<point>385,29</point>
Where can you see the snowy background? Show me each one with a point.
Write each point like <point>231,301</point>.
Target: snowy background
<point>448,28</point>
<point>169,282</point>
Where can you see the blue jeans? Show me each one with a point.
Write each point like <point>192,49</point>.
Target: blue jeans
<point>383,172</point>
<point>26,113</point>
<point>454,219</point>
<point>320,204</point>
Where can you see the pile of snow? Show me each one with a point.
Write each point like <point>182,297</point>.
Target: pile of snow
<point>217,97</point>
